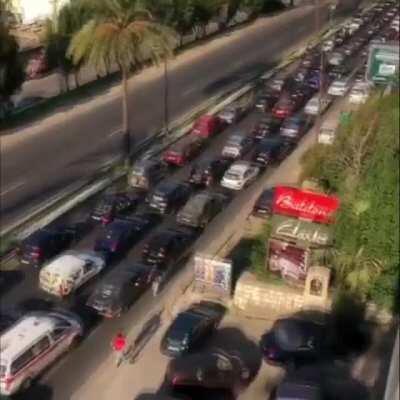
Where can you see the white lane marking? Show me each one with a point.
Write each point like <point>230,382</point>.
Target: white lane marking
<point>115,132</point>
<point>12,188</point>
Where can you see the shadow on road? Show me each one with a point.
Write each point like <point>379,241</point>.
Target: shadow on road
<point>148,331</point>
<point>233,340</point>
<point>38,391</point>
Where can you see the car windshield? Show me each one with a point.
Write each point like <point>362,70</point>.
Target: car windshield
<point>105,205</point>
<point>339,83</point>
<point>235,140</point>
<point>195,205</point>
<point>108,290</point>
<point>233,175</point>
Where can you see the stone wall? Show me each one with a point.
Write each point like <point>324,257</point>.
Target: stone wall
<point>262,300</point>
<point>254,297</point>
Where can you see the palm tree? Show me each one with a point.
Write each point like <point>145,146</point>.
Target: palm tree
<point>123,33</point>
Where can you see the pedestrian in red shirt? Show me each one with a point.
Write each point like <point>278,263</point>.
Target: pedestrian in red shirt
<point>119,345</point>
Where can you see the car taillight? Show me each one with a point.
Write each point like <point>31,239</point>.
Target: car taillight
<point>106,219</point>
<point>36,253</point>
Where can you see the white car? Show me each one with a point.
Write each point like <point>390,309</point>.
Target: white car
<point>336,58</point>
<point>230,114</point>
<point>277,84</point>
<point>236,145</point>
<point>359,94</point>
<point>312,105</point>
<point>239,175</point>
<point>339,87</point>
<point>69,271</point>
<point>328,45</point>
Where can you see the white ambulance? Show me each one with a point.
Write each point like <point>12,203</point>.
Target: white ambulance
<point>69,271</point>
<point>33,343</point>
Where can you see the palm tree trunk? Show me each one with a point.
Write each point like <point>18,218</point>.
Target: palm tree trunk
<point>76,73</point>
<point>125,116</point>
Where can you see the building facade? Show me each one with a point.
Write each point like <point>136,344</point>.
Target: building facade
<point>31,11</point>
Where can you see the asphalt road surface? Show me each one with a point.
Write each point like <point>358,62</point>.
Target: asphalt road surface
<point>47,163</point>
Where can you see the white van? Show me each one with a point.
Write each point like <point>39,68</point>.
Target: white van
<point>327,132</point>
<point>69,271</point>
<point>33,343</point>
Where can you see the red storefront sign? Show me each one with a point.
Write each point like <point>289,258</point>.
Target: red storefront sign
<point>307,205</point>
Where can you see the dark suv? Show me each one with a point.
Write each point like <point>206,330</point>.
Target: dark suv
<point>45,244</point>
<point>168,196</point>
<point>119,290</point>
<point>207,172</point>
<point>201,209</point>
<point>121,234</point>
<point>166,246</point>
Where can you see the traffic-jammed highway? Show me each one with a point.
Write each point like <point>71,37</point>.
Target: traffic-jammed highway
<point>56,155</point>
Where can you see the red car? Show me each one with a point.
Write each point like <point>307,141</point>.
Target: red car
<point>206,126</point>
<point>184,150</point>
<point>284,108</point>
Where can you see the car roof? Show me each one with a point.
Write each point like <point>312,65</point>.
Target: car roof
<point>25,331</point>
<point>240,166</point>
<point>38,237</point>
<point>167,186</point>
<point>66,265</point>
<point>292,333</point>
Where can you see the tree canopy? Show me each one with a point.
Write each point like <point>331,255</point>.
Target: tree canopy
<point>362,166</point>
<point>11,69</point>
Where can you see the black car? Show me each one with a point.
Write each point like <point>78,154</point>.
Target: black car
<point>191,327</point>
<point>167,245</point>
<point>266,100</point>
<point>271,151</point>
<point>218,370</point>
<point>111,206</point>
<point>146,173</point>
<point>292,340</point>
<point>267,126</point>
<point>264,204</point>
<point>45,244</point>
<point>169,196</point>
<point>119,236</point>
<point>201,208</point>
<point>207,172</point>
<point>119,290</point>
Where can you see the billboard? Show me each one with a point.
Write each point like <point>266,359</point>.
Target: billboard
<point>383,63</point>
<point>301,231</point>
<point>310,206</point>
<point>213,273</point>
<point>289,260</point>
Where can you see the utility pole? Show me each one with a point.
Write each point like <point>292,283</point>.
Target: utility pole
<point>166,97</point>
<point>321,69</point>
